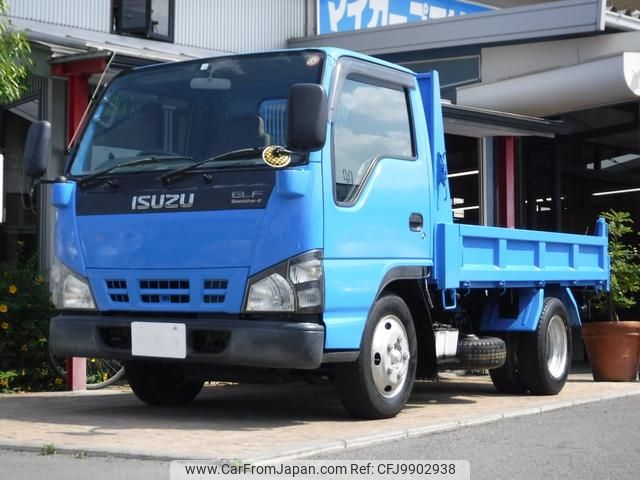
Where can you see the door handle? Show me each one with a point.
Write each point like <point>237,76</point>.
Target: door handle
<point>416,222</point>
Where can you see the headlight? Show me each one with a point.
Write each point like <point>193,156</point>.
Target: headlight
<point>292,286</point>
<point>68,289</point>
<point>271,294</point>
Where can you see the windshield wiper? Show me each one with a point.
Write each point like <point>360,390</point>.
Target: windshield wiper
<point>140,161</point>
<point>243,152</point>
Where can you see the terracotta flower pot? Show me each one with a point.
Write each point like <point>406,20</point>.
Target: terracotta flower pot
<point>613,349</point>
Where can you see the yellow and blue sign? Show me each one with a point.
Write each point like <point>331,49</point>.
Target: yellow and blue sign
<point>348,15</point>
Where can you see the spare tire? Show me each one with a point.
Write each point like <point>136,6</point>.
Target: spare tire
<point>480,353</point>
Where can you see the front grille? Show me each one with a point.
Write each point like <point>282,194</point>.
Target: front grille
<point>119,297</point>
<point>116,284</point>
<point>164,284</point>
<point>215,284</point>
<point>170,291</point>
<point>215,290</point>
<point>213,298</point>
<point>164,298</point>
<point>164,291</point>
<point>117,290</point>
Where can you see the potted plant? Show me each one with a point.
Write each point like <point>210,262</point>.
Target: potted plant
<point>613,346</point>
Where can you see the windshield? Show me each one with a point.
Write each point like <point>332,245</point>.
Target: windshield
<point>191,111</point>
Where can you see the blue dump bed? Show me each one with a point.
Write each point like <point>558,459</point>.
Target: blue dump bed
<point>471,256</point>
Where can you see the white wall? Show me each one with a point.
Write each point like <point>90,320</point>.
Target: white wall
<point>85,14</point>
<point>226,25</point>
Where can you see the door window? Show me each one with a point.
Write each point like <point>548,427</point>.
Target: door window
<point>372,121</point>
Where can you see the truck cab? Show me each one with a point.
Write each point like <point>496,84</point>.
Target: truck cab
<point>289,212</point>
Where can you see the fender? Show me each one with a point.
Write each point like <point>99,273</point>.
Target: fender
<point>351,289</point>
<point>530,308</point>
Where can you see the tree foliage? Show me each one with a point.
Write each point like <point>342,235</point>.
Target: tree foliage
<point>625,265</point>
<point>15,59</point>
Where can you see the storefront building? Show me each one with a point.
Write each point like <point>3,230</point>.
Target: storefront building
<point>564,74</point>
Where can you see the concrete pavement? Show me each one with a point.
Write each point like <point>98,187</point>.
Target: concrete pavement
<point>263,422</point>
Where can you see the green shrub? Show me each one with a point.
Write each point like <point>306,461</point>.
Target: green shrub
<point>625,266</point>
<point>25,310</point>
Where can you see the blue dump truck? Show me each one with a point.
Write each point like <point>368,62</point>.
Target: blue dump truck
<point>287,215</point>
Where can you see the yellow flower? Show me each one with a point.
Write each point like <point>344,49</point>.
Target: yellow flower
<point>4,325</point>
<point>4,382</point>
<point>24,348</point>
<point>39,279</point>
<point>13,289</point>
<point>105,376</point>
<point>4,308</point>
<point>58,381</point>
<point>20,243</point>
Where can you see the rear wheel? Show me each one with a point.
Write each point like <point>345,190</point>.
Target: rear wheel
<point>379,383</point>
<point>507,378</point>
<point>546,354</point>
<point>161,384</point>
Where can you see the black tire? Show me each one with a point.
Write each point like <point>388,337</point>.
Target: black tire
<point>539,372</point>
<point>161,384</point>
<point>480,353</point>
<point>506,378</point>
<point>355,381</point>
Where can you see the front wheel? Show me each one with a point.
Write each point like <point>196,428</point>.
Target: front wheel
<point>379,383</point>
<point>161,384</point>
<point>546,354</point>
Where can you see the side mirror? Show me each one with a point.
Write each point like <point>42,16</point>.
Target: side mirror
<point>37,149</point>
<point>307,117</point>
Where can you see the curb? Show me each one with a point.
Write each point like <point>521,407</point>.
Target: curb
<point>417,432</point>
<point>324,447</point>
<point>128,454</point>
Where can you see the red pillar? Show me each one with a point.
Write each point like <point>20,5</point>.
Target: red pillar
<point>506,182</point>
<point>77,101</point>
<point>77,73</point>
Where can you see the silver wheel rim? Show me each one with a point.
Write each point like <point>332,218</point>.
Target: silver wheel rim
<point>390,356</point>
<point>557,346</point>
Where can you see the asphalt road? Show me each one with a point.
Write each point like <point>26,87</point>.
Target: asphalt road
<point>595,441</point>
<point>35,466</point>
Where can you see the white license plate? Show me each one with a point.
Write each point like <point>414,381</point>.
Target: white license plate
<point>163,340</point>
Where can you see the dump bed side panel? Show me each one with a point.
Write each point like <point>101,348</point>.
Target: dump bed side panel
<point>473,256</point>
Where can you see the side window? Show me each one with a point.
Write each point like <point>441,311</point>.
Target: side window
<point>274,115</point>
<point>371,120</point>
<point>143,18</point>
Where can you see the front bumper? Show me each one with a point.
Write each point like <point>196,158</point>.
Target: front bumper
<point>249,343</point>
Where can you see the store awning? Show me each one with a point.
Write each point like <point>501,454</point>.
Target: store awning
<point>27,108</point>
<point>592,84</point>
<point>478,122</point>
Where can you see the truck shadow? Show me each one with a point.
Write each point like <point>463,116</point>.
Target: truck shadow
<point>228,407</point>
